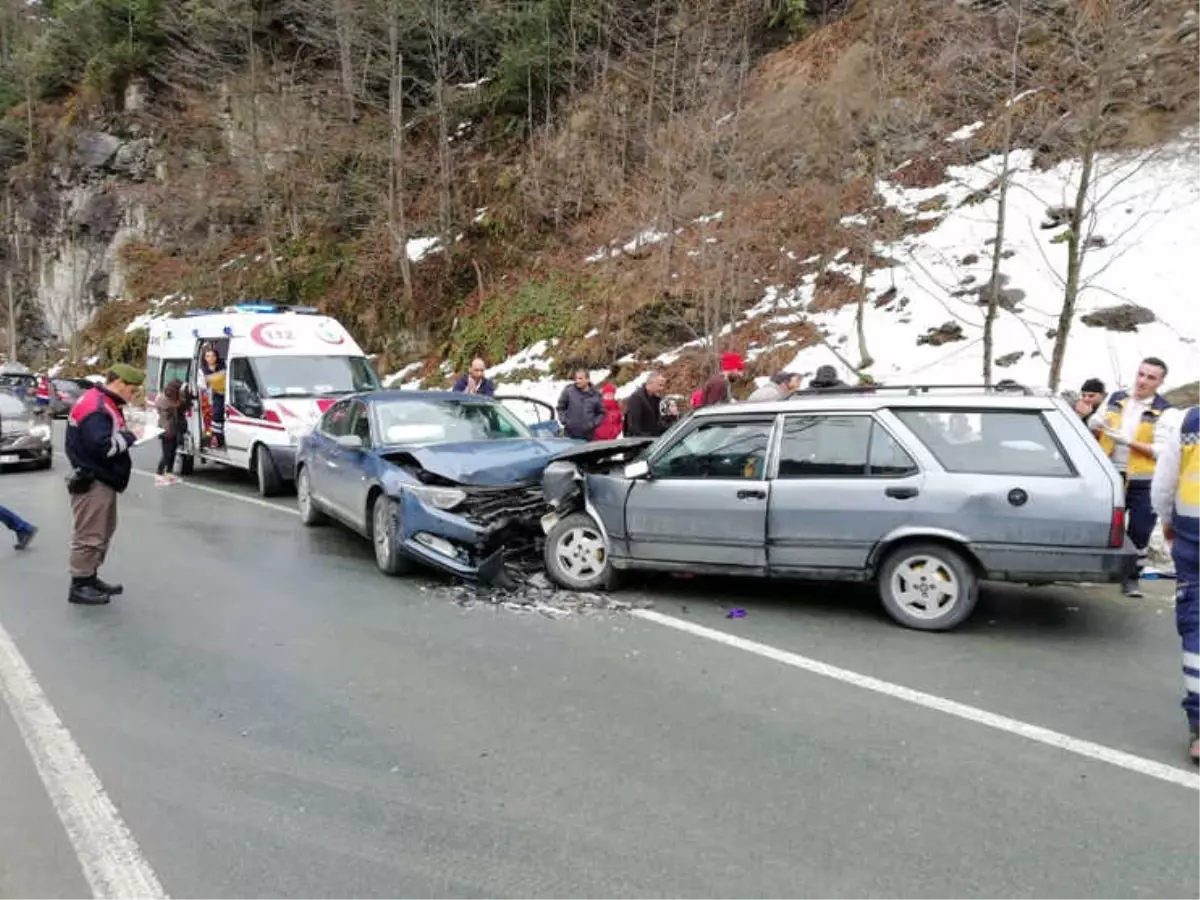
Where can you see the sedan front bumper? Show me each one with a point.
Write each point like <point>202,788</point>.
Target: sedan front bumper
<point>473,540</point>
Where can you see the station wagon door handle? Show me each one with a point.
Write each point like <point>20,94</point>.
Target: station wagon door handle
<point>752,495</point>
<point>902,493</point>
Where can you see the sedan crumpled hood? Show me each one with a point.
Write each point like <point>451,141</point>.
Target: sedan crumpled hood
<point>483,463</point>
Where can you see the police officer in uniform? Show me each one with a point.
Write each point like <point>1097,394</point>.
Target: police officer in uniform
<point>1175,492</point>
<point>1126,426</point>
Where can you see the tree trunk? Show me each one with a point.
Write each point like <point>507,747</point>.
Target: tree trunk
<point>860,309</point>
<point>397,218</point>
<point>260,164</point>
<point>1075,243</point>
<point>342,20</point>
<point>993,298</point>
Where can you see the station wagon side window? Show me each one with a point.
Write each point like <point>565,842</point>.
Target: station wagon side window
<point>336,421</point>
<point>841,446</point>
<point>989,441</point>
<point>718,449</point>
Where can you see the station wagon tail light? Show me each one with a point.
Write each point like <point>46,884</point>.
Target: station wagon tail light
<point>271,416</point>
<point>1116,531</point>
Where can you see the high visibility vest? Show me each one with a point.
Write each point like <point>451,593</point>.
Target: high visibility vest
<point>1140,465</point>
<point>1186,517</point>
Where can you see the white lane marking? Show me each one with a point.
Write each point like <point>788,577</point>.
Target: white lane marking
<point>111,860</point>
<point>1080,747</point>
<point>1119,758</point>
<point>265,504</point>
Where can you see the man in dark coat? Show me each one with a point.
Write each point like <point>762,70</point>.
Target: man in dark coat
<point>475,381</point>
<point>643,409</point>
<point>580,408</point>
<point>97,445</point>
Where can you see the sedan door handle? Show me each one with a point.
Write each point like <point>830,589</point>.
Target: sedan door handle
<point>752,495</point>
<point>902,493</point>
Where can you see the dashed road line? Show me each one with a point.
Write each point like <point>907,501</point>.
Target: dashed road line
<point>109,856</point>
<point>1041,735</point>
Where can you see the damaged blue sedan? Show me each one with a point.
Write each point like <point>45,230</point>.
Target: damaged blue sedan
<point>451,481</point>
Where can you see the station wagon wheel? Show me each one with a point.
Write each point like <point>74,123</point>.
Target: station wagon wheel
<point>576,555</point>
<point>928,586</point>
<point>385,520</point>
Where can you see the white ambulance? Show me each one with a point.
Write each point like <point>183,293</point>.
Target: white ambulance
<point>284,367</point>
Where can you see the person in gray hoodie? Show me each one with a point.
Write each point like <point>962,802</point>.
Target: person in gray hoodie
<point>580,408</point>
<point>780,387</point>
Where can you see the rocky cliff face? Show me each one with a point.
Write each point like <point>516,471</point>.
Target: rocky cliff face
<point>78,216</point>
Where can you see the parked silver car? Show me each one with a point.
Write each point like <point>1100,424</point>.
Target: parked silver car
<point>926,491</point>
<point>25,436</point>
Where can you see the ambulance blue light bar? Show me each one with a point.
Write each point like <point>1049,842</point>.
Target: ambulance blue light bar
<point>253,307</point>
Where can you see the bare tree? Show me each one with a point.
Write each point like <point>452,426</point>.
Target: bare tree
<point>1105,40</point>
<point>1016,10</point>
<point>397,218</point>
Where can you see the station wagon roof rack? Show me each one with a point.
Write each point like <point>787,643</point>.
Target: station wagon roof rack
<point>1003,387</point>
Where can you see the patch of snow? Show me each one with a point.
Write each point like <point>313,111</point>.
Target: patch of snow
<point>711,217</point>
<point>473,85</point>
<point>963,133</point>
<point>420,247</point>
<point>92,360</point>
<point>139,323</point>
<point>397,378</point>
<point>480,214</point>
<point>728,117</point>
<point>532,357</point>
<point>591,334</point>
<point>1021,96</point>
<point>645,239</point>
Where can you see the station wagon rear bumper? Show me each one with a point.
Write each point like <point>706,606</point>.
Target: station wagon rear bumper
<point>1045,565</point>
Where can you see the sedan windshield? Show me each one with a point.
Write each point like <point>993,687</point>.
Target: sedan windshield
<point>313,376</point>
<point>437,421</point>
<point>13,410</point>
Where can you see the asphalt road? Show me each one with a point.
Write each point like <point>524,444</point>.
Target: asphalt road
<point>272,717</point>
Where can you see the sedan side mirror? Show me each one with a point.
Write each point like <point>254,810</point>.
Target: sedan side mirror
<point>349,441</point>
<point>637,469</point>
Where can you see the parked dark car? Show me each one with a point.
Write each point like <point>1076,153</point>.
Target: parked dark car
<point>450,480</point>
<point>22,384</point>
<point>64,393</point>
<point>25,437</point>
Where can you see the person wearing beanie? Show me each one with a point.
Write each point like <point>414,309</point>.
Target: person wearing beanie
<point>826,377</point>
<point>1091,395</point>
<point>610,428</point>
<point>97,445</point>
<point>719,388</point>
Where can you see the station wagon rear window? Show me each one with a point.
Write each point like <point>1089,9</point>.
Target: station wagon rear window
<point>988,441</point>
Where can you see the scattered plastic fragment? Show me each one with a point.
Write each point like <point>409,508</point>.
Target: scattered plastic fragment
<point>737,613</point>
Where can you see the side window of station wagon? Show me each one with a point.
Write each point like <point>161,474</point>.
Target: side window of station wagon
<point>719,449</point>
<point>989,441</point>
<point>840,447</point>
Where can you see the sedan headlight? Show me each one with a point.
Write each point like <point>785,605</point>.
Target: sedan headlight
<point>438,497</point>
<point>42,432</point>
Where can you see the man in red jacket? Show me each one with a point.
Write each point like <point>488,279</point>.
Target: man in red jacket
<point>719,388</point>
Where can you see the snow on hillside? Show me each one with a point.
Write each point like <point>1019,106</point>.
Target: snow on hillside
<point>1146,214</point>
<point>1146,227</point>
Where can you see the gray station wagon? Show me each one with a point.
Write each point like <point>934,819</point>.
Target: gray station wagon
<point>924,490</point>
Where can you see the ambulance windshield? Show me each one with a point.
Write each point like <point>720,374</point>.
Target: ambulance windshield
<point>314,376</point>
